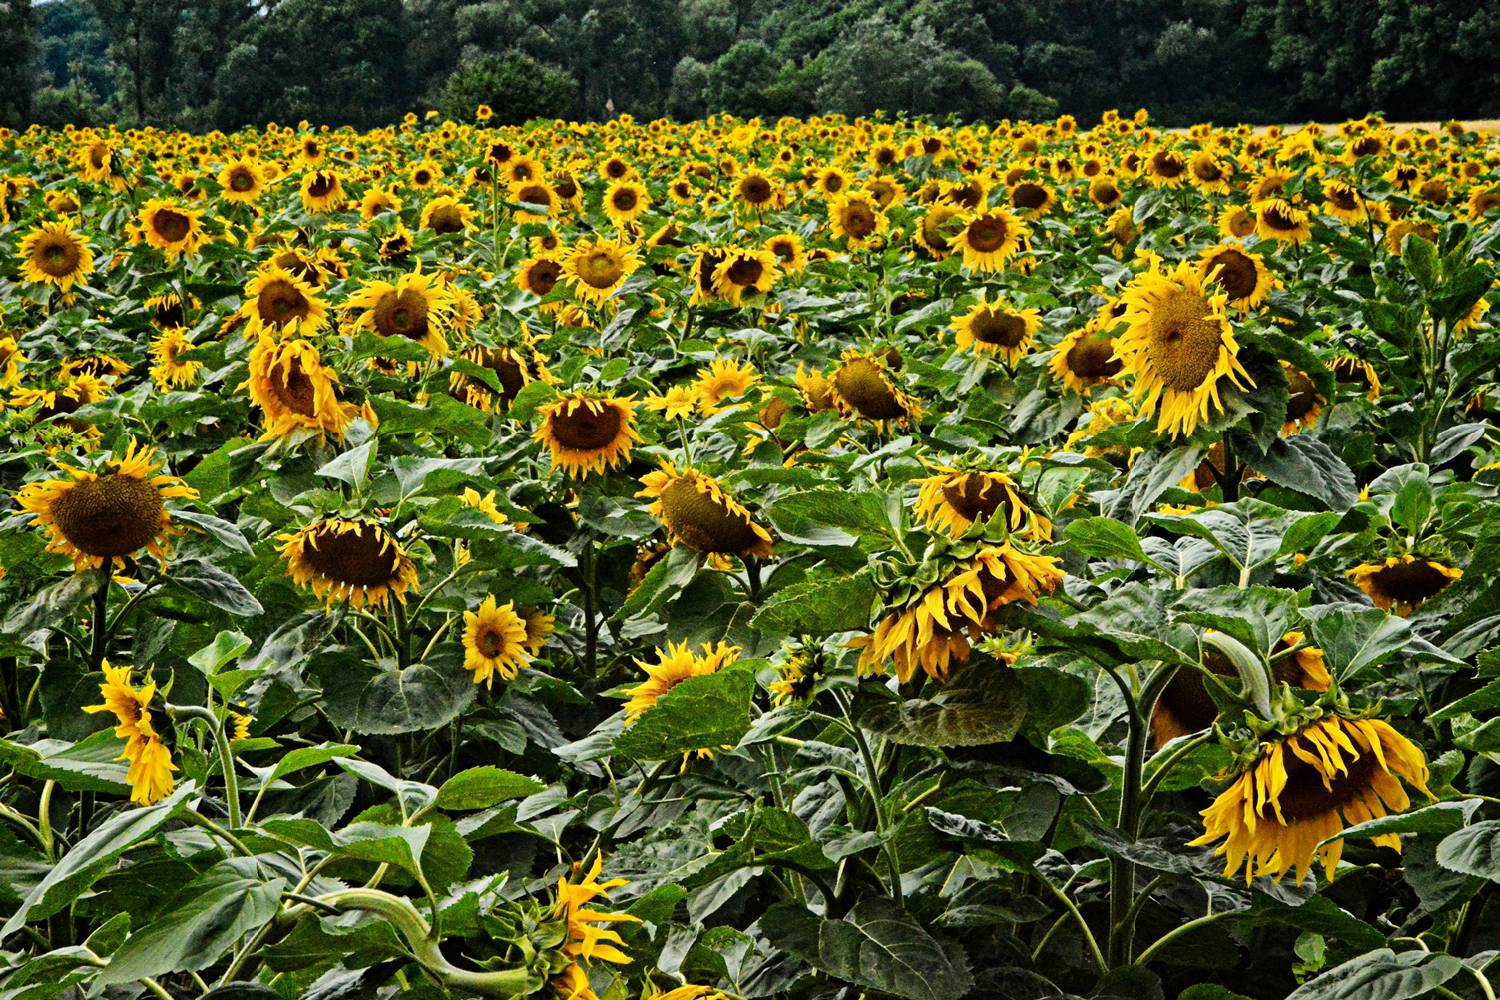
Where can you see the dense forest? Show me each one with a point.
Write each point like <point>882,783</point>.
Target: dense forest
<point>204,64</point>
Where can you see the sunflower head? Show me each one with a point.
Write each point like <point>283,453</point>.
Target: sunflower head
<point>495,642</point>
<point>52,254</point>
<point>588,434</point>
<point>1243,276</point>
<point>277,301</point>
<point>990,237</point>
<point>953,500</point>
<point>294,391</point>
<point>415,306</point>
<point>1401,583</point>
<point>702,515</point>
<point>172,228</point>
<point>352,561</point>
<point>862,389</point>
<point>597,268</point>
<point>994,327</point>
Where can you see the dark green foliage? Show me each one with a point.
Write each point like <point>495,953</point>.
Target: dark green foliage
<point>514,85</point>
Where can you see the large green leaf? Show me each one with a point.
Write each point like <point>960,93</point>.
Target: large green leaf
<point>699,713</point>
<point>985,703</point>
<point>818,606</point>
<point>372,700</point>
<point>1382,975</point>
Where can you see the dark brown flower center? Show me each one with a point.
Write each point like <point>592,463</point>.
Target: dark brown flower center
<point>988,233</point>
<point>358,558</point>
<point>281,302</point>
<point>1235,273</point>
<point>402,315</point>
<point>1003,329</point>
<point>171,226</point>
<point>1093,358</point>
<point>862,385</point>
<point>585,429</point>
<point>1410,582</point>
<point>113,515</point>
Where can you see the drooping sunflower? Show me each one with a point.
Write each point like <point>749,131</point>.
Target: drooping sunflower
<point>745,271</point>
<point>951,500</point>
<point>166,310</point>
<point>1277,219</point>
<point>279,303</point>
<point>994,327</point>
<point>989,238</point>
<point>150,771</point>
<point>52,254</point>
<point>1401,583</point>
<point>1304,402</point>
<point>1302,789</point>
<point>322,191</point>
<point>241,181</point>
<point>1351,370</point>
<point>597,268</point>
<point>378,201</point>
<point>1085,358</point>
<point>588,434</point>
<point>494,642</point>
<point>1185,706</point>
<point>816,389</point>
<point>857,219</point>
<point>294,391</point>
<point>701,515</point>
<point>171,228</point>
<point>169,371</point>
<point>100,518</point>
<point>932,627</point>
<point>512,369</point>
<point>95,160</point>
<point>1179,348</point>
<point>1243,276</point>
<point>862,389</point>
<point>349,560</point>
<point>417,306</point>
<point>588,934</point>
<point>446,214</point>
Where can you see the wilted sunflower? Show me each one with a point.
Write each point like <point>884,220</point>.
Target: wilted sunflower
<point>1185,706</point>
<point>702,515</point>
<point>953,499</point>
<point>416,306</point>
<point>446,214</point>
<point>1304,402</point>
<point>861,388</point>
<point>1344,202</point>
<point>279,303</point>
<point>857,219</point>
<point>993,327</point>
<point>345,560</point>
<point>494,642</point>
<point>588,434</point>
<point>745,270</point>
<point>379,201</point>
<point>1350,370</point>
<point>99,518</point>
<point>171,228</point>
<point>1178,347</point>
<point>1302,789</point>
<point>1242,275</point>
<point>1277,219</point>
<point>932,627</point>
<point>1085,358</point>
<point>588,934</point>
<point>52,254</point>
<point>322,191</point>
<point>989,238</point>
<point>241,181</point>
<point>168,371</point>
<point>150,771</point>
<point>597,268</point>
<point>1402,583</point>
<point>296,392</point>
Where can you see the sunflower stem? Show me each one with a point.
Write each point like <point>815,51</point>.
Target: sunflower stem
<point>185,713</point>
<point>100,622</point>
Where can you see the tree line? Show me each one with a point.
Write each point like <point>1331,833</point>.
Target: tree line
<point>203,64</point>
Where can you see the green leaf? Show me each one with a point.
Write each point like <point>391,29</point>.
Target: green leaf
<point>1353,638</point>
<point>1382,975</point>
<point>858,513</point>
<point>983,704</point>
<point>1440,817</point>
<point>1151,475</point>
<point>92,856</point>
<point>1474,850</point>
<point>1304,463</point>
<point>226,647</point>
<point>305,757</point>
<point>1420,258</point>
<point>212,584</point>
<point>374,701</point>
<point>205,918</point>
<point>218,527</point>
<point>52,604</point>
<point>379,843</point>
<point>90,765</point>
<point>352,466</point>
<point>699,713</point>
<point>1104,538</point>
<point>876,946</point>
<point>817,606</point>
<point>482,787</point>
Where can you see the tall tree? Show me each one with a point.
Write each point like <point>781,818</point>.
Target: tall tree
<point>18,54</point>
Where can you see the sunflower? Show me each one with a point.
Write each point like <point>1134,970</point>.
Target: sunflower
<point>1351,370</point>
<point>588,434</point>
<point>166,310</point>
<point>379,201</point>
<point>542,202</point>
<point>1031,199</point>
<point>1166,168</point>
<point>539,276</point>
<point>241,182</point>
<point>98,519</point>
<point>758,192</point>
<point>588,935</point>
<point>1085,358</point>
<point>511,368</point>
<point>1330,772</point>
<point>1344,202</point>
<point>52,254</point>
<point>934,233</point>
<point>1276,219</point>
<point>494,642</point>
<point>992,327</point>
<point>1179,348</point>
<point>724,378</point>
<point>95,161</point>
<point>348,560</point>
<point>791,257</point>
<point>625,201</point>
<point>1402,583</point>
<point>597,268</point>
<point>1208,173</point>
<point>1242,276</point>
<point>11,360</point>
<point>150,771</point>
<point>856,218</point>
<point>173,229</point>
<point>1236,222</point>
<point>674,665</point>
<point>932,627</point>
<point>278,302</point>
<point>745,270</point>
<point>1304,402</point>
<point>1185,706</point>
<point>322,191</point>
<point>953,500</point>
<point>1105,192</point>
<point>294,390</point>
<point>861,388</point>
<point>446,214</point>
<point>169,371</point>
<point>816,389</point>
<point>701,515</point>
<point>416,306</point>
<point>990,238</point>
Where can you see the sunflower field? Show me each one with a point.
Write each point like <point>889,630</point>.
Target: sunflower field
<point>817,558</point>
